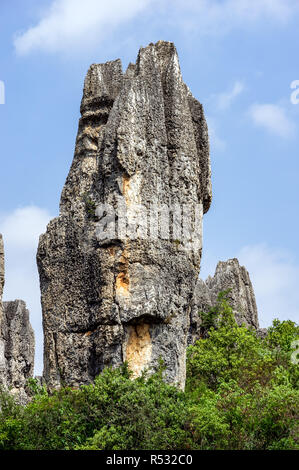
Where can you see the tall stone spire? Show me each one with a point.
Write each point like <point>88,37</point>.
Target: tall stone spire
<point>125,295</point>
<point>2,345</point>
<point>2,277</point>
<point>16,342</point>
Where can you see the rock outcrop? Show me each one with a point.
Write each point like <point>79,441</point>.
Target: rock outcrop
<point>229,275</point>
<point>16,342</point>
<point>1,294</point>
<point>19,345</point>
<point>119,288</point>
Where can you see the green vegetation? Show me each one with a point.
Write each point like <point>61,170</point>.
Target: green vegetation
<point>241,393</point>
<point>90,206</point>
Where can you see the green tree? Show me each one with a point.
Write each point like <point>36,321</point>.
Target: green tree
<point>241,393</point>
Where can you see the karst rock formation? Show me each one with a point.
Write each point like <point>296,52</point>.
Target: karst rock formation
<point>16,342</point>
<point>233,278</point>
<point>142,141</point>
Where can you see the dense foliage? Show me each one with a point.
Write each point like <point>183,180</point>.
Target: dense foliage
<point>241,393</point>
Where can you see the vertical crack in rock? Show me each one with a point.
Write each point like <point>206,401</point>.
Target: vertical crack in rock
<point>16,342</point>
<point>229,275</point>
<point>122,282</point>
<point>142,140</point>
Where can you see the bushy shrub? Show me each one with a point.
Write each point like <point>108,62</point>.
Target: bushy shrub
<point>250,385</point>
<point>241,393</point>
<point>113,413</point>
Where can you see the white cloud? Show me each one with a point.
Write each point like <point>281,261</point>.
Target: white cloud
<point>220,17</point>
<point>273,118</point>
<point>21,230</point>
<point>275,280</point>
<point>23,226</point>
<point>216,142</point>
<point>221,101</point>
<point>76,23</point>
<point>224,100</point>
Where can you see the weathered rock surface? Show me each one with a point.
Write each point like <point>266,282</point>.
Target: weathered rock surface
<point>142,139</point>
<point>16,342</point>
<point>1,290</point>
<point>19,344</point>
<point>229,275</point>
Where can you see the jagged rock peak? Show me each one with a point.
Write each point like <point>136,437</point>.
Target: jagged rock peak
<point>2,277</point>
<point>149,95</point>
<point>19,345</point>
<point>16,342</point>
<point>142,140</point>
<point>229,275</point>
<point>1,268</point>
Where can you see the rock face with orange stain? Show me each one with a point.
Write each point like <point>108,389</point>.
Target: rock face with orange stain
<point>138,348</point>
<point>126,295</point>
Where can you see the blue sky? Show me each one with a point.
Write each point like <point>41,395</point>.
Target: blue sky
<point>239,57</point>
